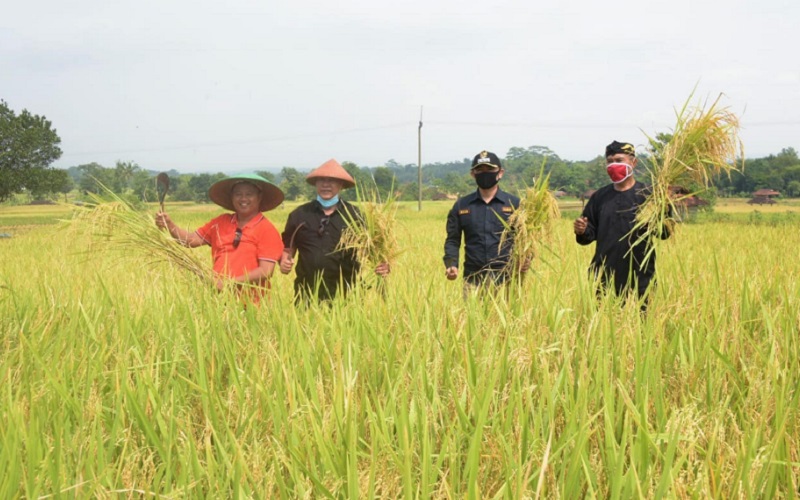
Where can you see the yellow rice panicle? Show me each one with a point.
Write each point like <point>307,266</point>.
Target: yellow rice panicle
<point>373,236</point>
<point>705,144</point>
<point>117,227</point>
<point>531,224</point>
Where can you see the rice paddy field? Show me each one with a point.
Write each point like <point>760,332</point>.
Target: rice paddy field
<point>124,379</point>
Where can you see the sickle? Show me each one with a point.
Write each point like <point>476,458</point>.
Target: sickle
<point>162,186</point>
<point>291,240</point>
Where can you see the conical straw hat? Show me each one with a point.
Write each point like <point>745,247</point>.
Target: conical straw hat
<point>271,195</point>
<point>332,169</point>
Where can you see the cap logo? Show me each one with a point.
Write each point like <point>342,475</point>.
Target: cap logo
<point>617,147</point>
<point>486,158</point>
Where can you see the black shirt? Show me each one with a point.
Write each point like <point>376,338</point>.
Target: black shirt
<point>611,215</point>
<point>316,241</point>
<point>481,225</point>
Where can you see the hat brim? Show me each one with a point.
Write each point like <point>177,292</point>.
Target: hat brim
<point>220,193</point>
<point>485,165</point>
<point>345,182</point>
<point>334,170</point>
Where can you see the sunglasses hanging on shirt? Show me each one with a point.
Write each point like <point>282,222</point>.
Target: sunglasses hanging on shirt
<point>323,223</point>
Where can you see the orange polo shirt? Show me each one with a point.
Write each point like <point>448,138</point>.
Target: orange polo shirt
<point>260,241</point>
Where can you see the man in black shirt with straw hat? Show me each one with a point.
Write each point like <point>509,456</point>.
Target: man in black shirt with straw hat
<point>314,229</point>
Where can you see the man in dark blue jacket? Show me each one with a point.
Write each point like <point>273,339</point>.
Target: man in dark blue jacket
<point>479,218</point>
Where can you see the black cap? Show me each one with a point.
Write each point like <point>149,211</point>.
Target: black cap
<point>486,158</point>
<point>616,147</point>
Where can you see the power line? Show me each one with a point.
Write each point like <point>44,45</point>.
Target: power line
<point>584,125</point>
<point>332,133</point>
<point>257,140</point>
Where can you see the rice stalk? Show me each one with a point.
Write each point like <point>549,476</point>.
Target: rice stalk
<point>705,143</point>
<point>531,224</point>
<point>372,233</point>
<point>116,226</point>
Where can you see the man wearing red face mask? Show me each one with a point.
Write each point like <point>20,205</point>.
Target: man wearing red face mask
<point>608,219</point>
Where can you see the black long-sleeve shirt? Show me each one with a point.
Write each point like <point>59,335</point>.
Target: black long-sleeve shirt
<point>316,241</point>
<point>481,225</point>
<point>611,216</point>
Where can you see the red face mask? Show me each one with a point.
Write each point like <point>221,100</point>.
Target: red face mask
<point>618,172</point>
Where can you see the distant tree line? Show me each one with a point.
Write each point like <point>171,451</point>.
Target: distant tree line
<point>780,172</point>
<point>440,180</point>
<point>29,145</point>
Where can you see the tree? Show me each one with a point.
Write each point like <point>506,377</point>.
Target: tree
<point>293,183</point>
<point>543,151</point>
<point>516,153</point>
<point>569,177</point>
<point>67,186</point>
<point>27,143</point>
<point>408,191</point>
<point>384,181</point>
<point>363,179</point>
<point>267,175</point>
<point>793,188</point>
<point>182,190</point>
<point>454,183</point>
<point>658,143</point>
<point>362,176</point>
<point>123,174</point>
<point>47,181</point>
<point>92,176</point>
<point>143,184</point>
<point>200,184</point>
<point>786,158</point>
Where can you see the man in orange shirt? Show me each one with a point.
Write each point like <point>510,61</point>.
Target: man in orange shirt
<point>244,245</point>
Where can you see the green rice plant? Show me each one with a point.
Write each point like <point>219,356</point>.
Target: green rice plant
<point>705,143</point>
<point>532,223</point>
<point>118,385</point>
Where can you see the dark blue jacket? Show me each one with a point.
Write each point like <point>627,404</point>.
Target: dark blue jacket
<point>481,224</point>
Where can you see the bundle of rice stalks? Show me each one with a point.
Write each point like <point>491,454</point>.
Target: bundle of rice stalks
<point>115,226</point>
<point>705,143</point>
<point>531,224</point>
<point>371,235</point>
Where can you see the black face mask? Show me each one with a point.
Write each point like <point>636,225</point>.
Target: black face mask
<point>486,180</point>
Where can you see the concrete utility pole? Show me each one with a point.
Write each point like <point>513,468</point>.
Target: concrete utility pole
<point>419,158</point>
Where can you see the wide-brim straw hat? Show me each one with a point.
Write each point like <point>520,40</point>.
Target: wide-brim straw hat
<point>221,192</point>
<point>334,170</point>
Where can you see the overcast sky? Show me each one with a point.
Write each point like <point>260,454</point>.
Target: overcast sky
<point>229,86</point>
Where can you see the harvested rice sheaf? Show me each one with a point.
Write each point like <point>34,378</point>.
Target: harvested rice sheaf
<point>372,237</point>
<point>531,224</point>
<point>117,227</point>
<point>705,143</point>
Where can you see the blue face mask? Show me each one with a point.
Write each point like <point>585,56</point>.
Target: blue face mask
<point>328,203</point>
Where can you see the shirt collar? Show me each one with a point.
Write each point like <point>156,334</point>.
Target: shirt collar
<point>252,222</point>
<point>500,196</point>
<point>339,206</point>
